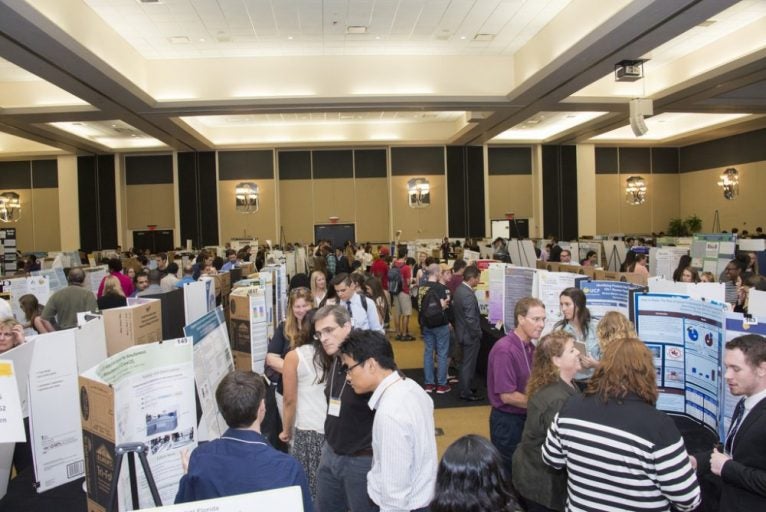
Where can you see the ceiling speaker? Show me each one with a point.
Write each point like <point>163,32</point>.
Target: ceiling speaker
<point>640,107</point>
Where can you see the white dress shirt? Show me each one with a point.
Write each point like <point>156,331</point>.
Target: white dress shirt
<point>404,460</point>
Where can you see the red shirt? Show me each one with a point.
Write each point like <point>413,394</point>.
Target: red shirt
<point>406,272</point>
<point>379,269</point>
<point>125,281</point>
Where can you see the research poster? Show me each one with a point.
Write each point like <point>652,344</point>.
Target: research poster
<point>54,413</point>
<point>11,417</point>
<point>550,286</point>
<point>482,289</point>
<point>212,362</point>
<point>149,389</point>
<point>700,291</point>
<point>259,330</point>
<point>664,260</point>
<point>94,276</point>
<point>195,301</point>
<point>18,287</point>
<point>686,338</point>
<point>519,282</point>
<point>712,252</point>
<point>496,292</point>
<point>56,278</point>
<point>605,296</point>
<point>286,498</point>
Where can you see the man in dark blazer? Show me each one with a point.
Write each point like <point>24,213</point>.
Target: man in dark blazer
<point>465,308</point>
<point>738,471</point>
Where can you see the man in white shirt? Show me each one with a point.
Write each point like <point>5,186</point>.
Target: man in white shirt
<point>364,313</point>
<point>404,459</point>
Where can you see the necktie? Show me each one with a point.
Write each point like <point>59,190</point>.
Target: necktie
<point>348,305</point>
<point>736,420</point>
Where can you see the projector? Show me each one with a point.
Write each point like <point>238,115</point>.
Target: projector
<point>629,70</point>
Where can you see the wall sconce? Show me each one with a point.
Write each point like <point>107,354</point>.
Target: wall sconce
<point>419,193</point>
<point>635,190</point>
<point>10,207</point>
<point>729,182</point>
<point>247,197</point>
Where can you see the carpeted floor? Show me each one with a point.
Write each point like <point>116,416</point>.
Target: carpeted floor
<point>451,399</point>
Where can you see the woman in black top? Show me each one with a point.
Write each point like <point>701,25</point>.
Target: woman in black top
<point>113,296</point>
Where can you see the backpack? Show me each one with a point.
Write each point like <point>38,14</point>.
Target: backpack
<point>395,283</point>
<point>431,312</point>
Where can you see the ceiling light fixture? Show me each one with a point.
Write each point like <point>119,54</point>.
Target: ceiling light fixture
<point>179,39</point>
<point>639,108</point>
<point>356,29</point>
<point>729,182</point>
<point>10,207</point>
<point>484,37</point>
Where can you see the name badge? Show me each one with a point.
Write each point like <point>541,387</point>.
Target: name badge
<point>333,409</point>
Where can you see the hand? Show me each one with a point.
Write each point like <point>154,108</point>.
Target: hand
<point>18,334</point>
<point>717,461</point>
<point>285,436</point>
<point>185,456</point>
<point>693,462</point>
<point>588,362</point>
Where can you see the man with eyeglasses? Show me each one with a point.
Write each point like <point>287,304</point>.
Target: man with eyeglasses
<point>508,370</point>
<point>347,454</point>
<point>403,474</point>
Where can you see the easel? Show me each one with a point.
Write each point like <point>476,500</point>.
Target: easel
<point>716,223</point>
<point>131,449</point>
<point>613,262</point>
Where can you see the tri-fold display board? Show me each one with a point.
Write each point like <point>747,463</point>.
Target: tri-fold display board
<point>687,338</point>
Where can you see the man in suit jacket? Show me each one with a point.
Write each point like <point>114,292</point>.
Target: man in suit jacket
<point>739,471</point>
<point>465,308</point>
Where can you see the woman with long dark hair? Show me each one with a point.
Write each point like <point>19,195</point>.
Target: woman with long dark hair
<point>33,313</point>
<point>578,322</point>
<point>471,478</point>
<point>550,385</point>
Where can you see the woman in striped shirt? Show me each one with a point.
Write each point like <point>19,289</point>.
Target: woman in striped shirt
<point>619,451</point>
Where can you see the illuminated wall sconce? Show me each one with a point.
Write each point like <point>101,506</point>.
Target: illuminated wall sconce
<point>10,207</point>
<point>419,193</point>
<point>635,190</point>
<point>247,197</point>
<point>729,182</point>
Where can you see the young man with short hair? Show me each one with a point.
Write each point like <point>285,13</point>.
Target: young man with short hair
<point>403,473</point>
<point>241,460</point>
<point>363,311</point>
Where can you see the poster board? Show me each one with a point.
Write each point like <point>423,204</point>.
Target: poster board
<point>251,326</point>
<point>615,252</point>
<point>700,291</point>
<point>196,301</point>
<point>605,296</point>
<point>663,261</point>
<point>285,499</point>
<point>519,282</point>
<point>18,287</point>
<point>212,362</point>
<point>172,310</point>
<point>93,277</point>
<point>712,252</point>
<point>144,394</point>
<point>550,286</point>
<point>56,278</point>
<point>495,311</point>
<point>686,338</point>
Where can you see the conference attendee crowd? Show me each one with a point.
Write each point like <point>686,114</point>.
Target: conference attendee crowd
<point>573,420</point>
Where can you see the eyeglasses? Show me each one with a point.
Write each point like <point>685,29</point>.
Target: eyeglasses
<point>325,332</point>
<point>348,369</point>
<point>536,319</point>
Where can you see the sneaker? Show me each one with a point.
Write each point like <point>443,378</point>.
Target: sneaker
<point>398,337</point>
<point>440,390</point>
<point>429,388</point>
<point>452,379</point>
<point>407,337</point>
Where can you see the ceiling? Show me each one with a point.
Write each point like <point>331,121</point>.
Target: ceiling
<point>99,76</point>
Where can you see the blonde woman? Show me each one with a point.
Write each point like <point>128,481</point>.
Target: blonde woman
<point>113,296</point>
<point>11,335</point>
<point>614,326</point>
<point>323,294</point>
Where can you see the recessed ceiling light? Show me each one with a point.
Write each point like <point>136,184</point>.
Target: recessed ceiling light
<point>201,39</point>
<point>290,38</point>
<point>462,37</point>
<point>377,37</point>
<point>179,39</point>
<point>149,1</point>
<point>356,29</point>
<point>483,37</point>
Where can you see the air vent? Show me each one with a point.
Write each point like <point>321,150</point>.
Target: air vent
<point>149,1</point>
<point>483,37</point>
<point>356,29</point>
<point>179,39</point>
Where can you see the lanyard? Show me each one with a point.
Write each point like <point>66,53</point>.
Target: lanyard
<point>332,381</point>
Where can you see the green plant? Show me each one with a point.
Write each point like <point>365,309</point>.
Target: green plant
<point>684,227</point>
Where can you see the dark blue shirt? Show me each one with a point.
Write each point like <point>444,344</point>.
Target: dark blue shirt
<point>240,462</point>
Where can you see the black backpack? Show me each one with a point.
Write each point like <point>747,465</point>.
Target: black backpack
<point>394,280</point>
<point>431,312</point>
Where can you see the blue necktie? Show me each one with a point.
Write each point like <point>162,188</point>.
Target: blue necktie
<point>736,420</point>
<point>348,305</point>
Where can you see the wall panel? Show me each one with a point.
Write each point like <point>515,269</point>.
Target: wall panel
<point>372,209</point>
<point>260,224</point>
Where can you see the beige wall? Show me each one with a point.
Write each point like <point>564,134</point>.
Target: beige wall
<point>261,225</point>
<point>615,215</point>
<point>150,204</point>
<point>372,211</point>
<point>296,210</point>
<point>417,223</point>
<point>700,195</point>
<point>38,227</point>
<point>334,198</point>
<point>510,193</point>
